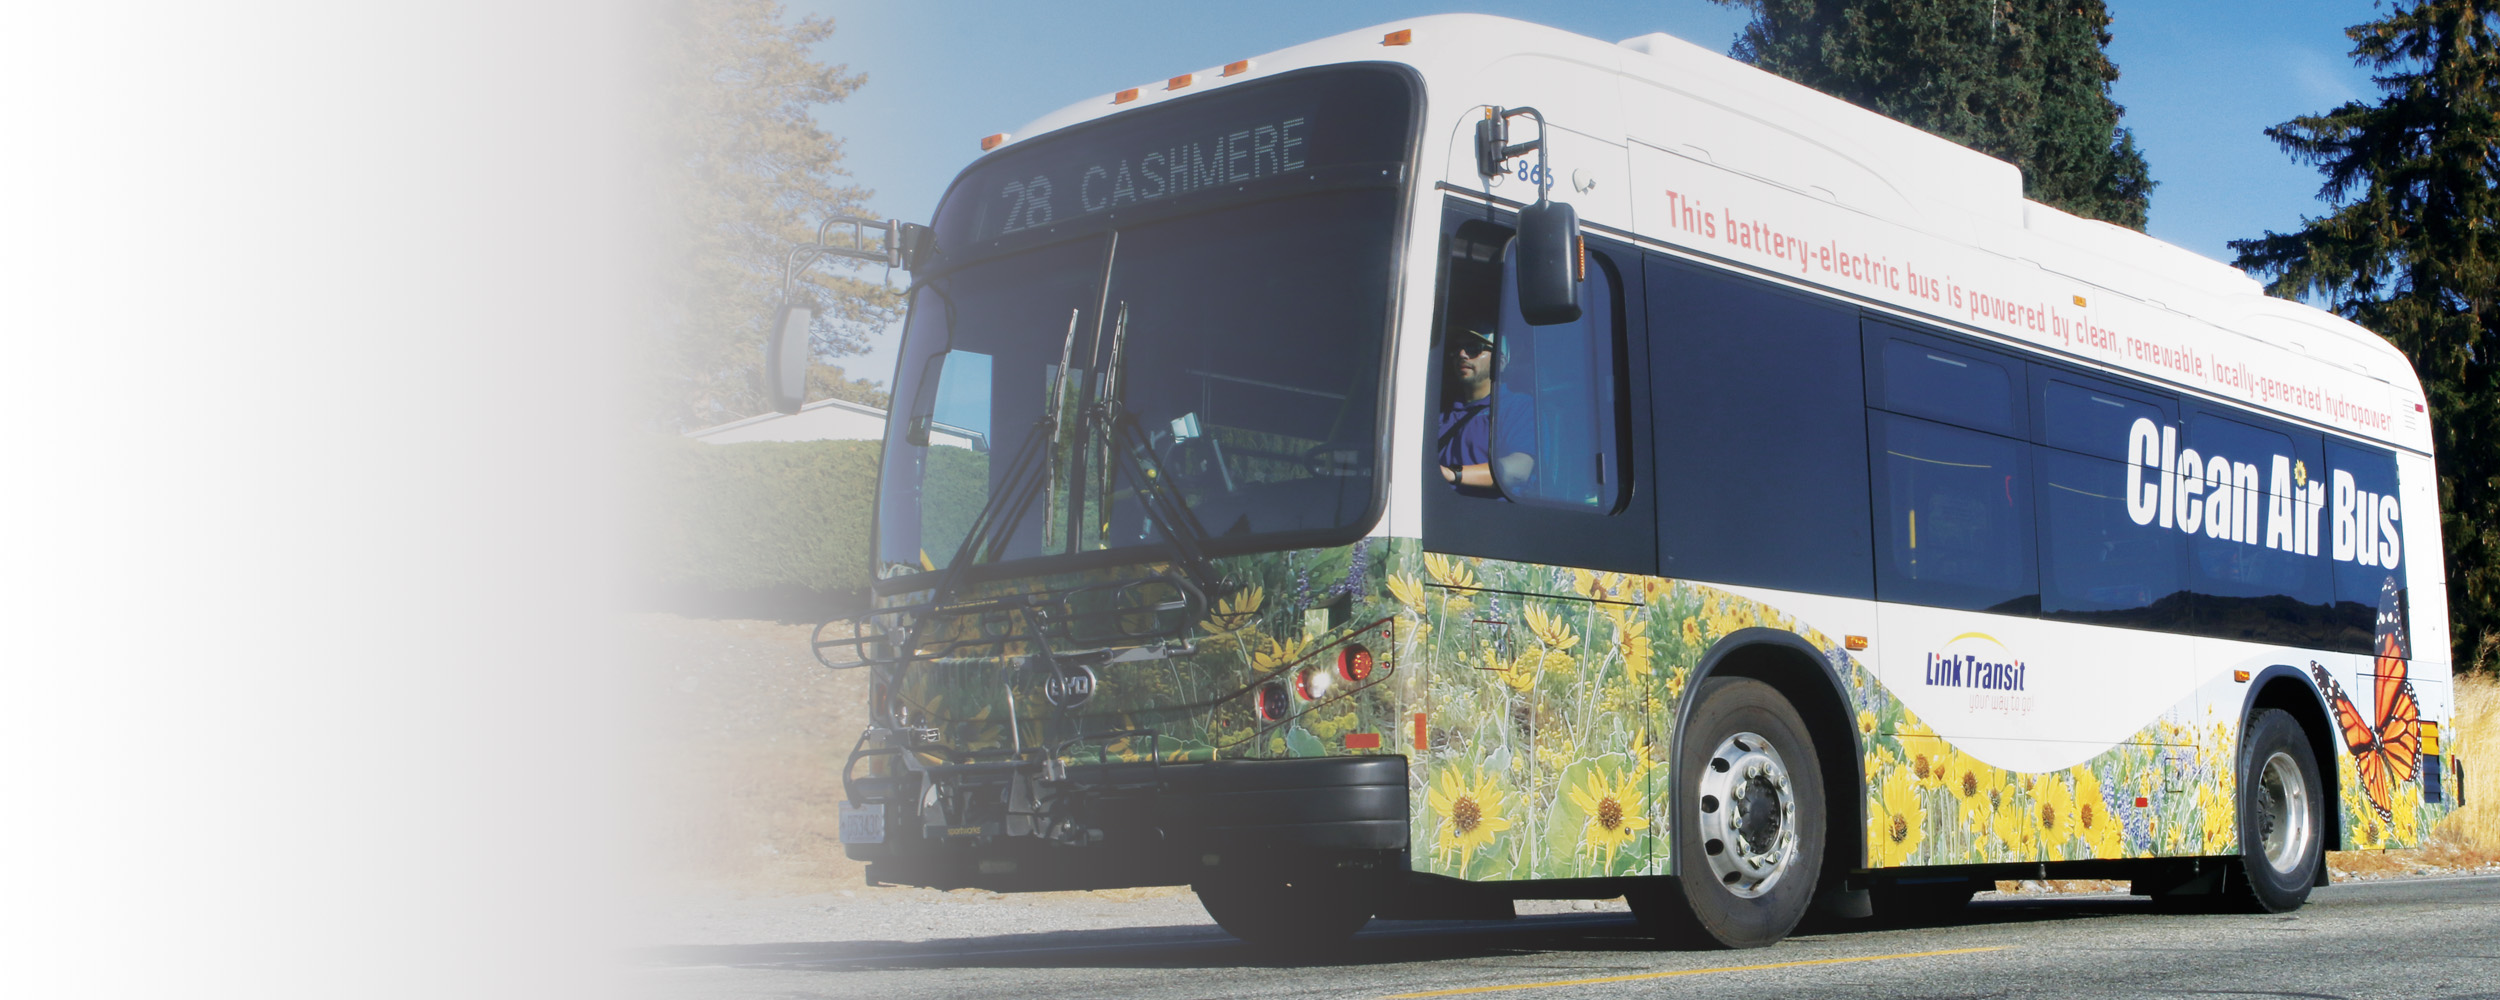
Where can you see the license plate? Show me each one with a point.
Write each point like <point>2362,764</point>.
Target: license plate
<point>863,824</point>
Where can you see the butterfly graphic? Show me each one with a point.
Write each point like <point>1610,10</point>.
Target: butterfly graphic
<point>2388,747</point>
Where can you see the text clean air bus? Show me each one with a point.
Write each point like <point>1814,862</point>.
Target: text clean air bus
<point>1462,461</point>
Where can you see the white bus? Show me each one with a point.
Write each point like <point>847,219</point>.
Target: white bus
<point>1463,461</point>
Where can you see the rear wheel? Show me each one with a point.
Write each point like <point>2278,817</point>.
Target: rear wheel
<point>1746,826</point>
<point>2282,810</point>
<point>1277,912</point>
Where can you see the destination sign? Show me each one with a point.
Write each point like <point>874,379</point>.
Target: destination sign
<point>1204,157</point>
<point>1256,139</point>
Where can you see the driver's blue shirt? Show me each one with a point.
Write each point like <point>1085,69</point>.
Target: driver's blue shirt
<point>1466,434</point>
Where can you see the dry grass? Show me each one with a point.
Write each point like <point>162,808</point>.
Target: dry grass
<point>748,738</point>
<point>2476,731</point>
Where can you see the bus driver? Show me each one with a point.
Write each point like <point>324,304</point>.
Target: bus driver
<point>1467,417</point>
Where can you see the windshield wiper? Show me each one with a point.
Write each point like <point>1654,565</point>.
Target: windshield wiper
<point>1034,472</point>
<point>1164,505</point>
<point>1122,450</point>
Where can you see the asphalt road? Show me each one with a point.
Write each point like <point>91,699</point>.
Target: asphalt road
<point>2419,938</point>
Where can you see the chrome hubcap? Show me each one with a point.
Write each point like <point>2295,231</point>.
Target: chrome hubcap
<point>1748,815</point>
<point>2283,815</point>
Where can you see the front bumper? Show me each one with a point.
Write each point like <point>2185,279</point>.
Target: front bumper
<point>1119,825</point>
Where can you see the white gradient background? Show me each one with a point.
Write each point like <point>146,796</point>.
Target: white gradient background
<point>314,321</point>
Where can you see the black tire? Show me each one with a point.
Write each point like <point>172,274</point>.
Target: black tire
<point>1746,823</point>
<point>1277,913</point>
<point>2282,807</point>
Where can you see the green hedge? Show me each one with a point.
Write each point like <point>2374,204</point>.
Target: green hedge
<point>786,515</point>
<point>764,515</point>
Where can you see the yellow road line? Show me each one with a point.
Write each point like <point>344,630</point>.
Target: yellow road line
<point>1684,972</point>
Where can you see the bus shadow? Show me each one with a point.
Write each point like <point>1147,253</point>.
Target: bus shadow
<point>1177,947</point>
<point>1383,943</point>
<point>2000,910</point>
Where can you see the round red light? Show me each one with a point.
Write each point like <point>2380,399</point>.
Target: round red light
<point>1273,701</point>
<point>1354,662</point>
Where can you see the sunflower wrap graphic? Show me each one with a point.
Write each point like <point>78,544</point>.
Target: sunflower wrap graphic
<point>1548,699</point>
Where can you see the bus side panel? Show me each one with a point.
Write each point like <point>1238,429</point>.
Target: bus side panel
<point>1538,740</point>
<point>1549,719</point>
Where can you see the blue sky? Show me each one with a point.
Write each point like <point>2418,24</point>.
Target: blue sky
<point>2200,82</point>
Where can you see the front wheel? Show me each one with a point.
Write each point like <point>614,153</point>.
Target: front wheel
<point>2282,808</point>
<point>1746,826</point>
<point>1278,913</point>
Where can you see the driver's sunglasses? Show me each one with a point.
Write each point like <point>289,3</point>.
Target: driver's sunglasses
<point>1471,351</point>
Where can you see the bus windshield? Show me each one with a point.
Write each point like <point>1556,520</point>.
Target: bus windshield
<point>1242,329</point>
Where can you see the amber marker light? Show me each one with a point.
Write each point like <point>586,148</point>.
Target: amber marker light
<point>990,142</point>
<point>1124,96</point>
<point>1237,67</point>
<point>1855,643</point>
<point>1402,36</point>
<point>1362,741</point>
<point>2079,301</point>
<point>1180,81</point>
<point>2240,676</point>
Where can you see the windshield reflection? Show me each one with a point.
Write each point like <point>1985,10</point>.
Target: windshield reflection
<point>1246,343</point>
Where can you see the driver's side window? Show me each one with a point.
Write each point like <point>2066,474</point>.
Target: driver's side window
<point>1525,414</point>
<point>1555,454</point>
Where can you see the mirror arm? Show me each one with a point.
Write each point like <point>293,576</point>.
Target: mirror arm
<point>1493,145</point>
<point>791,265</point>
<point>905,245</point>
<point>889,253</point>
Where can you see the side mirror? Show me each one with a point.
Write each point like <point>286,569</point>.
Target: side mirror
<point>1549,259</point>
<point>786,354</point>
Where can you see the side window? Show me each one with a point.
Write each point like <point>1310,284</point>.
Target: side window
<point>2098,564</point>
<point>1955,517</point>
<point>2365,538</point>
<point>1527,414</point>
<point>1953,497</point>
<point>1467,362</point>
<point>1929,377</point>
<point>1531,451</point>
<point>2248,499</point>
<point>2089,419</point>
<point>1554,412</point>
<point>1759,400</point>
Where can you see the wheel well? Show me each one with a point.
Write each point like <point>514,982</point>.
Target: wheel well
<point>1784,662</point>
<point>2293,696</point>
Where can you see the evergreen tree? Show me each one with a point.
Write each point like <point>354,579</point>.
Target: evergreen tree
<point>2026,81</point>
<point>753,175</point>
<point>2411,252</point>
